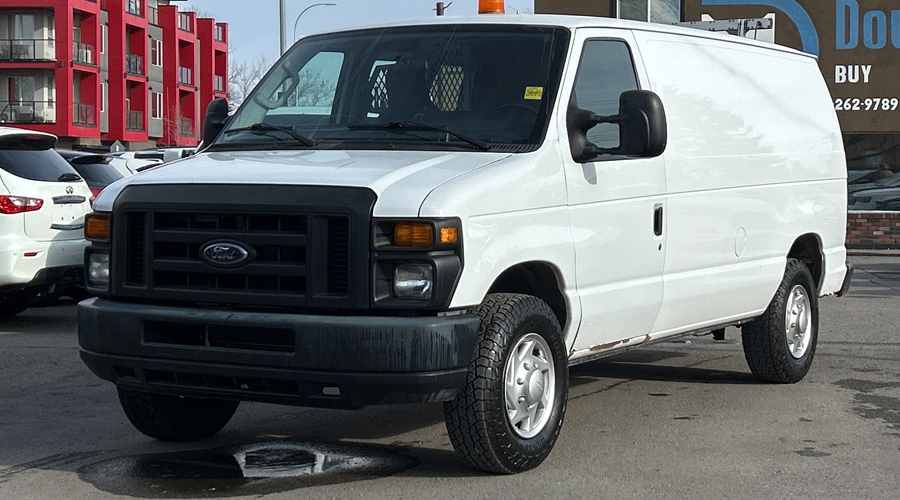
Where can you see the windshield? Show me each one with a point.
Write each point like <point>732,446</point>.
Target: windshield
<point>475,87</point>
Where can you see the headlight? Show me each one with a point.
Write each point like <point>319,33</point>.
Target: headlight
<point>98,269</point>
<point>414,281</point>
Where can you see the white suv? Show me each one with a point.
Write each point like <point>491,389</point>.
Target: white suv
<point>42,206</point>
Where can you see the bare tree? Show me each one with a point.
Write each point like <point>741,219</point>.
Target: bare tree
<point>242,77</point>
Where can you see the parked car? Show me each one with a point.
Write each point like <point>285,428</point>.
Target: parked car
<point>43,201</point>
<point>135,161</point>
<point>96,170</point>
<point>487,202</point>
<point>872,199</point>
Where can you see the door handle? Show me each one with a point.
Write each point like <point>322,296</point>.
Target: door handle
<point>658,220</point>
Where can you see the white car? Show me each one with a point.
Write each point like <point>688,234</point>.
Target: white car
<point>132,162</point>
<point>43,201</point>
<point>874,199</point>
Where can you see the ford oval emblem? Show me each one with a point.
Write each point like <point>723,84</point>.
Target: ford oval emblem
<point>224,254</point>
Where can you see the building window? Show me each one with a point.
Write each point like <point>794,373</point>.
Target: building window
<point>156,105</point>
<point>655,11</point>
<point>184,22</point>
<point>102,97</point>
<point>156,52</point>
<point>133,7</point>
<point>104,37</point>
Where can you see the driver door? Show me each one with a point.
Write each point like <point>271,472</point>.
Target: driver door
<point>616,204</point>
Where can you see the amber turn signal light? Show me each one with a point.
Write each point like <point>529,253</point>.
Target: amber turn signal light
<point>96,227</point>
<point>413,234</point>
<point>449,235</point>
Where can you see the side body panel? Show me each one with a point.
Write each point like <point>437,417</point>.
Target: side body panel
<point>619,258</point>
<point>754,161</point>
<point>512,211</point>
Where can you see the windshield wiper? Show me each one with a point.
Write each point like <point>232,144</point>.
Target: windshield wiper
<point>68,177</point>
<point>412,126</point>
<point>265,128</point>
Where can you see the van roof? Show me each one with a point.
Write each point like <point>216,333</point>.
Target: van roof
<point>574,23</point>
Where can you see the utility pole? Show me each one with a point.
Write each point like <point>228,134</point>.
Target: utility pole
<point>440,8</point>
<point>281,28</point>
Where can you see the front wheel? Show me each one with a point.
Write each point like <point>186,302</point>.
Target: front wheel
<point>780,344</point>
<point>174,418</point>
<point>509,414</point>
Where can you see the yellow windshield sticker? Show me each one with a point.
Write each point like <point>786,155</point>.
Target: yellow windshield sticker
<point>534,93</point>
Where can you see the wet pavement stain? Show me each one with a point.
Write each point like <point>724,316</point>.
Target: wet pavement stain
<point>251,469</point>
<point>812,453</point>
<point>874,406</point>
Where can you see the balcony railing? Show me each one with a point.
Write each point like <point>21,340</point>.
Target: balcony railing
<point>27,112</point>
<point>186,127</point>
<point>135,121</point>
<point>83,53</point>
<point>219,82</point>
<point>28,49</point>
<point>134,64</point>
<point>83,114</point>
<point>184,22</point>
<point>133,7</point>
<point>185,75</point>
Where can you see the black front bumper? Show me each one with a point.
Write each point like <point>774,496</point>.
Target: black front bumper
<point>305,360</point>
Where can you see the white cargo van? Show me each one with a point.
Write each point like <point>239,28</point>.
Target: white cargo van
<point>458,210</point>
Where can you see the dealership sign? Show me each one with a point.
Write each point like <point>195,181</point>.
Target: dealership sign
<point>857,43</point>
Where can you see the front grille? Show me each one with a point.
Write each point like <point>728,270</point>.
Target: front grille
<point>297,256</point>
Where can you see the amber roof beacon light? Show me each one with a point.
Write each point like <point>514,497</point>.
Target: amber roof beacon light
<point>491,7</point>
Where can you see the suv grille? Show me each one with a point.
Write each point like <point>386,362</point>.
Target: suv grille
<point>295,258</point>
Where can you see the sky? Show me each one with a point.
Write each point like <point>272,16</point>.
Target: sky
<point>253,24</point>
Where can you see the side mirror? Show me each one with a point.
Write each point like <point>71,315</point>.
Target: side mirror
<point>214,121</point>
<point>642,128</point>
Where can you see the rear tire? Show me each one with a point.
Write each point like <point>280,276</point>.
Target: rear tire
<point>174,418</point>
<point>508,416</point>
<point>780,345</point>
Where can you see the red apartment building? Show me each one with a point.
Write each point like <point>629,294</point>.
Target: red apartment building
<point>98,71</point>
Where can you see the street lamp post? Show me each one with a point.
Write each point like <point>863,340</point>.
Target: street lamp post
<point>282,27</point>
<point>306,9</point>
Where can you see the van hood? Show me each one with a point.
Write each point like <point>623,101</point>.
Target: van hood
<point>400,179</point>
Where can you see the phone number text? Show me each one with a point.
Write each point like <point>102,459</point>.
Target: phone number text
<point>866,104</point>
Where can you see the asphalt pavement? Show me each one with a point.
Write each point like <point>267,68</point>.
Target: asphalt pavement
<point>680,419</point>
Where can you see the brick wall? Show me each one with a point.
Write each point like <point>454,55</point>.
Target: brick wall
<point>873,230</point>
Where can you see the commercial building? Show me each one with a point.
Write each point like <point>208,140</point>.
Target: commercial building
<point>857,43</point>
<point>98,71</point>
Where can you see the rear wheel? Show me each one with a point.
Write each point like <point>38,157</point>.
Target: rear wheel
<point>174,418</point>
<point>780,344</point>
<point>508,416</point>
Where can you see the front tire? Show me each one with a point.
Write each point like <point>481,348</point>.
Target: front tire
<point>780,345</point>
<point>174,418</point>
<point>508,416</point>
